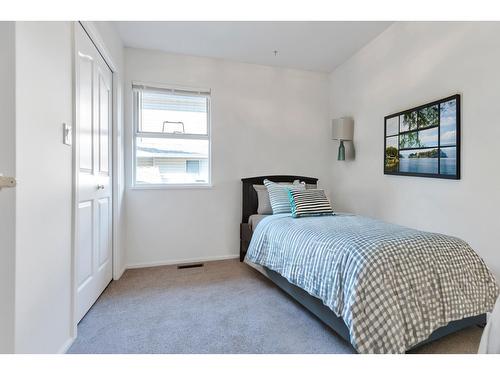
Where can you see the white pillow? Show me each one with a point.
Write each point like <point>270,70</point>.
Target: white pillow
<point>264,207</point>
<point>278,195</point>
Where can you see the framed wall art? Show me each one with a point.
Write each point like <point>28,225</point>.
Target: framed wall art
<point>424,141</point>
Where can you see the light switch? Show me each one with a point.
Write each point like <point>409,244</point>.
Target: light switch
<point>67,134</point>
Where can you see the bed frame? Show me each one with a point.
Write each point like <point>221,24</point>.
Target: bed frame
<point>250,203</point>
<point>313,304</point>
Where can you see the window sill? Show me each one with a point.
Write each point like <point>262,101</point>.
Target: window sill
<point>171,187</point>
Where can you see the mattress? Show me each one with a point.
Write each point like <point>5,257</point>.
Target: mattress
<point>254,220</point>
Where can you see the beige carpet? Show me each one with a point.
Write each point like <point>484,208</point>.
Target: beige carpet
<point>224,307</point>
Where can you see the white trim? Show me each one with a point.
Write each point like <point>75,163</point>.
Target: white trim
<point>64,349</point>
<point>182,261</point>
<point>200,137</point>
<point>74,187</point>
<point>115,162</point>
<point>94,35</point>
<point>170,186</point>
<point>119,273</point>
<point>173,87</point>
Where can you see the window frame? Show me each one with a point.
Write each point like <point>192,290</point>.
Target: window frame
<point>207,93</point>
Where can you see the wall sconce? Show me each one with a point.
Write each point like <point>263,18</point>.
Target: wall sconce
<point>342,130</point>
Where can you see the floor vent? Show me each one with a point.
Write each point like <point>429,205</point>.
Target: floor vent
<point>194,265</point>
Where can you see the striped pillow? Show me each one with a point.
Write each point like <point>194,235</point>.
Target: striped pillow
<point>278,195</point>
<point>309,203</point>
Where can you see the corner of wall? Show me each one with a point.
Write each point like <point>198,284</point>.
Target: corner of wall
<point>7,195</point>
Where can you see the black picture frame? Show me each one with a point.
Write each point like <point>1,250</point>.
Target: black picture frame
<point>418,116</point>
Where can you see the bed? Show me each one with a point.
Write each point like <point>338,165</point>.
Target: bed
<point>382,287</point>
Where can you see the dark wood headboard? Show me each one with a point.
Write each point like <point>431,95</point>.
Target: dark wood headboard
<point>250,201</point>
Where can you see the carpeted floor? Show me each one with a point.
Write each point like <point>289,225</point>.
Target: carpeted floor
<point>224,307</point>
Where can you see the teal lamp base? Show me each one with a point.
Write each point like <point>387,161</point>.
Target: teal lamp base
<point>341,154</point>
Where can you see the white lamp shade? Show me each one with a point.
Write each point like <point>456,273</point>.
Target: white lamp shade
<point>343,129</point>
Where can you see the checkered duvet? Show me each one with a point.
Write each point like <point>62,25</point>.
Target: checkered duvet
<point>392,285</point>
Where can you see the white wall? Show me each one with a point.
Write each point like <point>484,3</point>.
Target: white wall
<point>407,65</point>
<point>43,200</point>
<point>7,196</point>
<point>44,91</point>
<point>265,120</point>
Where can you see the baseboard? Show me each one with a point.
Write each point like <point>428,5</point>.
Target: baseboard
<point>119,273</point>
<point>180,261</point>
<point>66,345</point>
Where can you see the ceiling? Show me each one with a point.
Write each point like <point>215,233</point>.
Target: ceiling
<point>317,46</point>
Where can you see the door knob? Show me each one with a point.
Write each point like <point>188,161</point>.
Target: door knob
<point>7,182</point>
<point>100,187</point>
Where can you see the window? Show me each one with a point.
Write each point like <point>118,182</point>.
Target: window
<point>172,136</point>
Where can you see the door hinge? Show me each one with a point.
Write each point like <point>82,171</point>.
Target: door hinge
<point>7,182</point>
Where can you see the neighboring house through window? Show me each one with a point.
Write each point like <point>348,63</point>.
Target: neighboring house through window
<point>193,166</point>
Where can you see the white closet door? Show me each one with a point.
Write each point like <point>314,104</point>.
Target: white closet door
<point>94,208</point>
